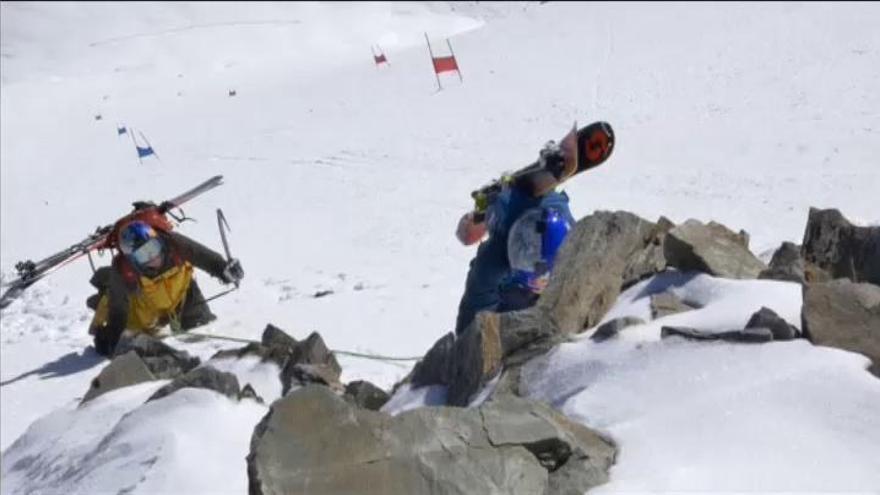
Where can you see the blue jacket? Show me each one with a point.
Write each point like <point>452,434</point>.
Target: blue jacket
<point>490,267</point>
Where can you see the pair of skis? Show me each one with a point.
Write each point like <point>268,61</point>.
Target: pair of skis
<point>580,150</point>
<point>30,272</point>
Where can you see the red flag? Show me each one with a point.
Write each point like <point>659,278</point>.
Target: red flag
<point>445,64</point>
<point>380,59</point>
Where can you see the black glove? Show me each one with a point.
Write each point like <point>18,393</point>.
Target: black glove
<point>233,272</point>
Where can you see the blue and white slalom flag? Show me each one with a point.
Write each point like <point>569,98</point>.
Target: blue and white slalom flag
<point>143,151</point>
<point>120,130</point>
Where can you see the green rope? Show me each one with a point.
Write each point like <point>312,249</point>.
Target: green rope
<point>377,357</point>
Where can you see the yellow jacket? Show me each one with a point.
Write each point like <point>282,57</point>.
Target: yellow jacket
<point>155,303</point>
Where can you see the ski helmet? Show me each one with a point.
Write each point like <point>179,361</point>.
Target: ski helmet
<point>532,244</point>
<point>140,243</point>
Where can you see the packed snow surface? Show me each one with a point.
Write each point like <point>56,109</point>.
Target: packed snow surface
<point>345,177</point>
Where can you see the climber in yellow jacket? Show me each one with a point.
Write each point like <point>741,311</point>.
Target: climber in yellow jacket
<point>151,284</point>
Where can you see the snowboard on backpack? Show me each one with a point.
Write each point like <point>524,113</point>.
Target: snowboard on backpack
<point>580,150</point>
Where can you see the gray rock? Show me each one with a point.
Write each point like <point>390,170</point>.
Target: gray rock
<point>297,375</point>
<point>787,264</point>
<point>589,269</point>
<point>314,351</point>
<point>123,371</point>
<point>163,361</point>
<point>311,351</point>
<point>611,328</point>
<point>248,392</point>
<point>491,342</point>
<point>711,248</point>
<point>366,395</point>
<point>526,334</point>
<point>648,260</point>
<point>834,248</point>
<point>844,315</point>
<point>205,377</point>
<point>667,303</point>
<point>312,441</point>
<point>275,337</point>
<point>559,444</point>
<point>475,358</point>
<point>767,318</point>
<point>301,362</point>
<point>433,369</point>
<point>747,336</point>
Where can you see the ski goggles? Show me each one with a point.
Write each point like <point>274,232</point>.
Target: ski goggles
<point>148,251</point>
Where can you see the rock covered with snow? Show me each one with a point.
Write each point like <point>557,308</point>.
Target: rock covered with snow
<point>744,336</point>
<point>206,377</point>
<point>667,303</point>
<point>611,328</point>
<point>767,318</point>
<point>300,362</point>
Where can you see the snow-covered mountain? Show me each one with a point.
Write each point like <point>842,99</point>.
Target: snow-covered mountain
<point>346,177</point>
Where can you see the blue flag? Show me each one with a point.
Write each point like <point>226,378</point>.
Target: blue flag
<point>142,152</point>
<point>120,131</point>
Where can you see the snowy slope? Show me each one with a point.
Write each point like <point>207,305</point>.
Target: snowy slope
<point>345,177</point>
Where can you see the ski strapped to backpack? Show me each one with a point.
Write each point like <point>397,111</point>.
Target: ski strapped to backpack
<point>106,237</point>
<point>580,150</point>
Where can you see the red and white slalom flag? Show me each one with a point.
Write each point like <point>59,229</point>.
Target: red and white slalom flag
<point>443,64</point>
<point>380,58</point>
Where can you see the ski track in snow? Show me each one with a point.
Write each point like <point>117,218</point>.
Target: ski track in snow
<point>347,181</point>
<point>194,27</point>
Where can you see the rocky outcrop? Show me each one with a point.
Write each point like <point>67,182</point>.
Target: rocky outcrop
<point>301,362</point>
<point>296,374</point>
<point>834,248</point>
<point>667,303</point>
<point>711,248</point>
<point>123,371</point>
<point>248,392</point>
<point>366,395</point>
<point>276,337</point>
<point>611,328</point>
<point>205,377</point>
<point>493,341</point>
<point>787,264</point>
<point>650,259</point>
<point>845,315</point>
<point>767,318</point>
<point>433,369</point>
<point>475,358</point>
<point>313,441</point>
<point>589,270</point>
<point>746,336</point>
<point>163,361</point>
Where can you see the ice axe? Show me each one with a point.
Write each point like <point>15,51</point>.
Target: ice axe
<point>221,222</point>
